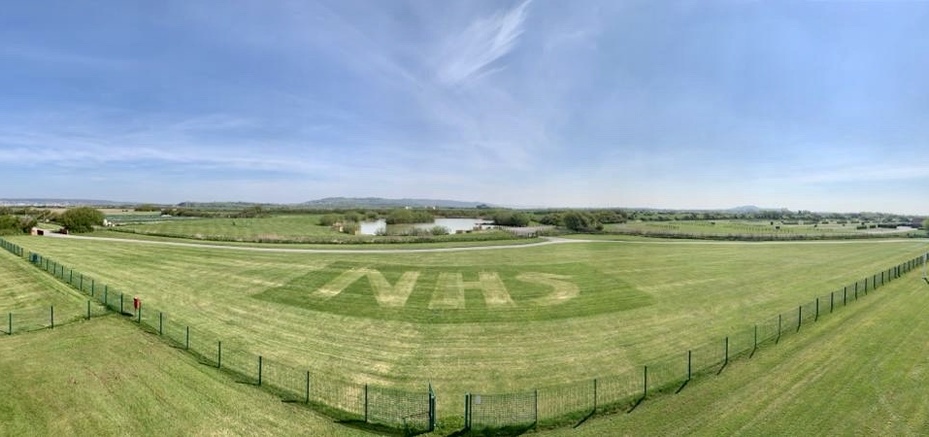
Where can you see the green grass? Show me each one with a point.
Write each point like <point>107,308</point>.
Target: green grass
<point>658,300</point>
<point>104,377</point>
<point>454,241</point>
<point>275,227</point>
<point>25,288</point>
<point>302,228</point>
<point>861,371</point>
<point>747,229</point>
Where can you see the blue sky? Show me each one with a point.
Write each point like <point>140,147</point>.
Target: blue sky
<point>692,104</point>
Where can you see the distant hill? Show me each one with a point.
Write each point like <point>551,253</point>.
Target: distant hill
<point>60,202</point>
<point>378,202</point>
<point>751,209</point>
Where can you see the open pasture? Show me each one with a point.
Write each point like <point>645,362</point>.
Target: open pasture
<point>277,227</point>
<point>283,228</point>
<point>770,229</point>
<point>486,321</point>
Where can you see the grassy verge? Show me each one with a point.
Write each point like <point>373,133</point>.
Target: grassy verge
<point>861,371</point>
<point>105,377</point>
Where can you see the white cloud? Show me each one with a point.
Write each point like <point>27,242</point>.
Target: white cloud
<point>472,53</point>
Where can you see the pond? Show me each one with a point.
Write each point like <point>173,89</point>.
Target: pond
<point>454,225</point>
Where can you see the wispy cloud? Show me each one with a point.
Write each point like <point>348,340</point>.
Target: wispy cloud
<point>472,53</point>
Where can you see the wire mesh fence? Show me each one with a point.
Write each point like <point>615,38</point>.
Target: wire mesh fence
<point>35,318</point>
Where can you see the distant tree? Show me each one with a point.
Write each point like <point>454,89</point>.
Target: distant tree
<point>398,216</point>
<point>252,212</point>
<point>926,224</point>
<point>148,207</point>
<point>511,218</point>
<point>581,221</point>
<point>552,219</point>
<point>81,219</point>
<point>330,219</point>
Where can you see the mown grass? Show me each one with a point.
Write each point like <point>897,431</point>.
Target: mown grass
<point>860,371</point>
<point>26,288</point>
<point>748,229</point>
<point>104,377</point>
<point>694,293</point>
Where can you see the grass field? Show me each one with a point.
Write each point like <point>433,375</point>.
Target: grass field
<point>453,242</point>
<point>861,371</point>
<point>857,372</point>
<point>275,227</point>
<point>300,228</point>
<point>484,321</point>
<point>770,229</point>
<point>105,377</point>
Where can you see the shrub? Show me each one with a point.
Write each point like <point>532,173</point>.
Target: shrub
<point>439,230</point>
<point>81,219</point>
<point>329,219</point>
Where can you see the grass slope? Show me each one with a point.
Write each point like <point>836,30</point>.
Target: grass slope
<point>107,378</point>
<point>692,293</point>
<point>860,371</point>
<point>26,288</point>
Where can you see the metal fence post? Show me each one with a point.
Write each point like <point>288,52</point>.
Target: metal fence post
<point>816,318</point>
<point>645,382</point>
<point>121,302</point>
<point>10,330</point>
<point>88,310</point>
<point>139,313</point>
<point>161,323</point>
<point>799,317</point>
<point>779,317</point>
<point>467,423</point>
<point>219,354</point>
<point>689,362</point>
<point>831,301</point>
<point>259,370</point>
<point>536,415</point>
<point>52,315</point>
<point>726,359</point>
<point>187,339</point>
<point>307,386</point>
<point>595,394</point>
<point>366,403</point>
<point>431,409</point>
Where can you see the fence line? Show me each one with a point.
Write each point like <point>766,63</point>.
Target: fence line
<point>414,412</point>
<point>573,403</point>
<point>370,405</point>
